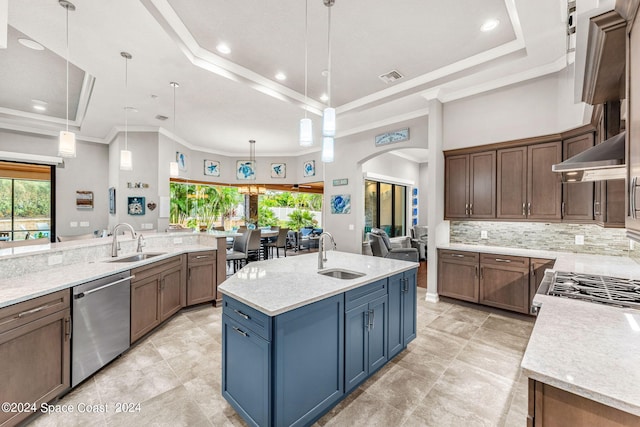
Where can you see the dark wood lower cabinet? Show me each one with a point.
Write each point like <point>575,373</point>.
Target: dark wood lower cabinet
<point>34,354</point>
<point>156,294</point>
<point>504,282</point>
<point>552,407</point>
<point>201,278</point>
<point>458,275</point>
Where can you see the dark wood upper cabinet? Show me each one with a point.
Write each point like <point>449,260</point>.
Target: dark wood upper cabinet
<point>512,183</point>
<point>544,187</point>
<point>632,221</point>
<point>470,185</point>
<point>577,198</point>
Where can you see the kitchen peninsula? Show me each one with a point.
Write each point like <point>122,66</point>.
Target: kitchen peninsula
<point>296,341</point>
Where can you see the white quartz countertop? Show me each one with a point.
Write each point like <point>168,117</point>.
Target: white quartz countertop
<point>279,285</point>
<point>589,349</point>
<point>616,266</point>
<point>22,288</point>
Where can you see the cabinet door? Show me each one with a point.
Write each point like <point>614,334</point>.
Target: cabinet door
<point>511,183</point>
<point>456,186</point>
<point>613,203</point>
<point>170,292</point>
<point>538,267</point>
<point>632,221</point>
<point>577,198</point>
<point>246,372</point>
<point>35,363</point>
<point>201,279</point>
<point>409,307</point>
<point>482,185</point>
<point>356,342</point>
<point>377,331</point>
<point>396,332</point>
<point>544,187</point>
<point>309,361</point>
<point>504,285</point>
<point>458,275</point>
<point>145,313</point>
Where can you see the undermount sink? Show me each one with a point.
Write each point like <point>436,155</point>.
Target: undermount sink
<point>137,257</point>
<point>341,274</point>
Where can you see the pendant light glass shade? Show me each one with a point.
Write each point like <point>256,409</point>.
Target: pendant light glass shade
<point>306,132</point>
<point>329,122</point>
<point>126,160</point>
<point>174,170</point>
<point>67,141</point>
<point>327,149</point>
<point>67,144</point>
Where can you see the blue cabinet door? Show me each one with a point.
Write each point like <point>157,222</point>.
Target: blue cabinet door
<point>308,361</point>
<point>377,332</point>
<point>409,307</point>
<point>396,297</point>
<point>356,356</point>
<point>246,373</point>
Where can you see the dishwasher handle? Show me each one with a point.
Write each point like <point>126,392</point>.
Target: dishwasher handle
<point>108,285</point>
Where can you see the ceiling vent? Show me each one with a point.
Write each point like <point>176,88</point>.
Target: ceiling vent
<point>391,76</point>
<point>161,117</point>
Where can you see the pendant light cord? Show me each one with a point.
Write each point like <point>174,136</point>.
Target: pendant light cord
<point>67,8</point>
<point>126,108</point>
<point>306,53</point>
<point>329,61</point>
<point>174,108</point>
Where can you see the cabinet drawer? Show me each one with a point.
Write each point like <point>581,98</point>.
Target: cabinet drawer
<point>459,256</point>
<point>248,317</point>
<point>155,268</point>
<point>28,311</point>
<point>364,294</point>
<point>505,261</point>
<point>202,257</point>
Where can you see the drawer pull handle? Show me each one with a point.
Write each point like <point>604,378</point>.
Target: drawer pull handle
<point>246,316</point>
<point>502,260</point>
<point>32,311</point>
<point>239,331</point>
<point>457,255</point>
<point>372,317</point>
<point>202,256</point>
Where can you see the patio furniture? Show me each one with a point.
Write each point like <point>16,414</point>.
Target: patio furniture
<point>280,242</point>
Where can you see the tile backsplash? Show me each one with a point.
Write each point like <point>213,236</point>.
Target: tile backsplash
<point>545,236</point>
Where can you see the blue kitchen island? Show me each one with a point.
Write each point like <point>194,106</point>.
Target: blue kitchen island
<point>295,342</point>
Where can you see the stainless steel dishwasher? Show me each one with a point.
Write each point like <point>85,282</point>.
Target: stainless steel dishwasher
<point>101,324</point>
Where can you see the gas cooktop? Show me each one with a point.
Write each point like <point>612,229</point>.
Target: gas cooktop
<point>601,289</point>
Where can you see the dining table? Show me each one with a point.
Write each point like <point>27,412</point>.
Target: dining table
<point>265,235</point>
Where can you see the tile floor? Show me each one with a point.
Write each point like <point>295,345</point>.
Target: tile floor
<point>461,370</point>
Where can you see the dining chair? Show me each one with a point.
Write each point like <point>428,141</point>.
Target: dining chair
<point>239,251</point>
<point>255,246</point>
<point>280,242</point>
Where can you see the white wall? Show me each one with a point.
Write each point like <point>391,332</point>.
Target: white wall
<point>86,172</point>
<point>423,195</point>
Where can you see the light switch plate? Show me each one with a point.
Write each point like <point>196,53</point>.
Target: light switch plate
<point>73,224</point>
<point>484,234</point>
<point>579,239</point>
<point>84,223</point>
<point>352,227</point>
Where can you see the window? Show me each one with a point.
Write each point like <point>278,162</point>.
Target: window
<point>385,207</point>
<point>25,201</point>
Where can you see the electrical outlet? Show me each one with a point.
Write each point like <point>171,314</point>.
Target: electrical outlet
<point>73,224</point>
<point>352,227</point>
<point>177,240</point>
<point>484,234</point>
<point>579,239</point>
<point>84,223</point>
<point>632,245</point>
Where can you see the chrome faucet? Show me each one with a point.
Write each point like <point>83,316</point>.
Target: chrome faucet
<point>141,243</point>
<point>322,255</point>
<point>114,244</point>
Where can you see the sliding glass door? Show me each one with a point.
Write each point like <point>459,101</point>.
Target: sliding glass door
<point>385,207</point>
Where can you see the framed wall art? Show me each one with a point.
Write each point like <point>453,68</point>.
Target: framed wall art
<point>181,159</point>
<point>245,169</point>
<point>341,204</point>
<point>135,205</point>
<point>211,168</point>
<point>84,200</point>
<point>309,168</point>
<point>278,170</point>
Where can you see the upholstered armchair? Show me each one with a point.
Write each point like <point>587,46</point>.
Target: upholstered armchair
<point>381,247</point>
<point>419,237</point>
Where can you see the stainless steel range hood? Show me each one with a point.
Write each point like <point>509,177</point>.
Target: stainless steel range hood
<point>604,161</point>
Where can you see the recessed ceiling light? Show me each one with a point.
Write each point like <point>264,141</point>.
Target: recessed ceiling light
<point>39,105</point>
<point>223,48</point>
<point>489,25</point>
<point>281,76</point>
<point>30,44</point>
<point>324,97</point>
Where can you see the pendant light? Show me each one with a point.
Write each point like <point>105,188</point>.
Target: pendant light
<point>126,157</point>
<point>306,126</point>
<point>329,114</point>
<point>67,141</point>
<point>174,169</point>
<point>252,190</point>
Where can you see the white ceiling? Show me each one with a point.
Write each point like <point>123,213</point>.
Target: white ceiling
<point>225,100</point>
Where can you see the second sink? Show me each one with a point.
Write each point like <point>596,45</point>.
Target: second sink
<point>137,257</point>
<point>340,273</point>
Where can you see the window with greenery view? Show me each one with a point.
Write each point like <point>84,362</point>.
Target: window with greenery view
<point>25,201</point>
<point>385,207</point>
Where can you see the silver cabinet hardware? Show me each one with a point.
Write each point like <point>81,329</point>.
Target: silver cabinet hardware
<point>108,285</point>
<point>239,313</point>
<point>457,255</point>
<point>471,209</point>
<point>202,256</point>
<point>502,260</point>
<point>528,209</point>
<point>372,316</point>
<point>239,331</point>
<point>524,213</point>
